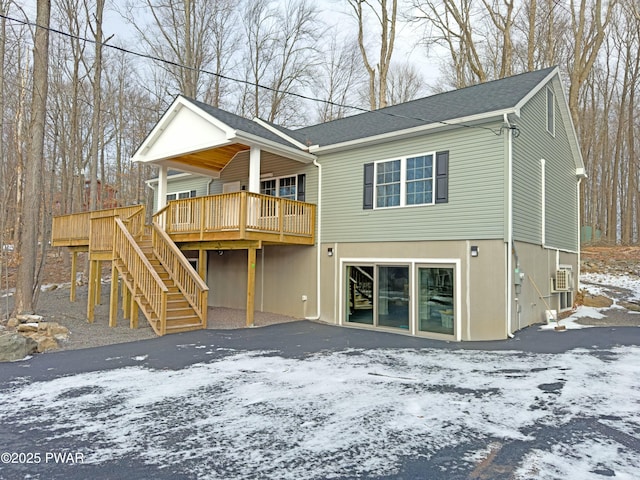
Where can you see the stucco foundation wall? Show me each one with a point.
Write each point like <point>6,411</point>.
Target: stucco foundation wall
<point>538,265</point>
<point>283,275</point>
<point>482,312</point>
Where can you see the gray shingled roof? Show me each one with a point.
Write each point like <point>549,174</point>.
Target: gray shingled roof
<point>478,99</point>
<point>240,123</point>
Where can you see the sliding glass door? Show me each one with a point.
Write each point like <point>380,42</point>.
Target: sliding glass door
<point>393,296</point>
<point>413,297</point>
<point>360,294</point>
<point>436,300</point>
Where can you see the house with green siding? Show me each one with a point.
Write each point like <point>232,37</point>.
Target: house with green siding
<point>454,217</point>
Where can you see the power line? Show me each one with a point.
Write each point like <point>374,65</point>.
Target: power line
<point>241,81</point>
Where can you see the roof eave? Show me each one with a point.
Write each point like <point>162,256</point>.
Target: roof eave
<point>273,147</point>
<point>468,121</point>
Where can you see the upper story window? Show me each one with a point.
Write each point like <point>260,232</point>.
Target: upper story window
<point>283,187</point>
<point>551,119</point>
<point>181,195</point>
<point>406,181</point>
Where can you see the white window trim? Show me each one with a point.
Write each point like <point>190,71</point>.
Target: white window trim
<point>177,194</point>
<point>403,181</point>
<point>277,179</point>
<point>552,130</point>
<point>414,264</point>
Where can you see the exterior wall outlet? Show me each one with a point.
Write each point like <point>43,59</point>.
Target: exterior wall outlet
<point>304,298</point>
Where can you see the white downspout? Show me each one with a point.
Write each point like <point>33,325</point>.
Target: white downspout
<point>543,201</point>
<point>509,228</point>
<point>579,229</point>
<point>319,241</point>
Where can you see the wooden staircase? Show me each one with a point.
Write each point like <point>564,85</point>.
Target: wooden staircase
<point>181,316</point>
<point>158,277</point>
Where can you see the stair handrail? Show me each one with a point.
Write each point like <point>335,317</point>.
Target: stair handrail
<point>145,279</point>
<point>160,217</point>
<point>135,222</point>
<point>194,289</point>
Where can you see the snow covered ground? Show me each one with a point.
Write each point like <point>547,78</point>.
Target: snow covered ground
<point>347,414</point>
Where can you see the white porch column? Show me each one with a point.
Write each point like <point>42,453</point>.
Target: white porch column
<point>254,170</point>
<point>162,187</point>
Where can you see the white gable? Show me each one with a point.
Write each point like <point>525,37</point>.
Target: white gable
<point>183,129</point>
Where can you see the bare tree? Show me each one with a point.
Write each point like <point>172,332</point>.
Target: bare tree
<point>450,24</point>
<point>279,59</point>
<point>97,95</point>
<point>405,83</point>
<point>385,13</point>
<point>589,22</point>
<point>181,32</point>
<point>27,281</point>
<point>341,76</point>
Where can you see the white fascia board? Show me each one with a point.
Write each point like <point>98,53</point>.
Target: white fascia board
<point>411,132</point>
<point>178,104</point>
<point>564,110</point>
<point>277,132</point>
<point>273,147</point>
<point>536,89</point>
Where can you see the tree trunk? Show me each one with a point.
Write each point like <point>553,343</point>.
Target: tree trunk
<point>27,281</point>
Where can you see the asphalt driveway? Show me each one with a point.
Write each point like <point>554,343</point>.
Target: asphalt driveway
<point>307,400</point>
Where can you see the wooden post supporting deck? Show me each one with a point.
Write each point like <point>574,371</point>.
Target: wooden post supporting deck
<point>133,322</point>
<point>113,305</point>
<point>126,299</point>
<point>202,264</point>
<point>74,270</point>
<point>91,302</point>
<point>98,282</point>
<point>251,284</point>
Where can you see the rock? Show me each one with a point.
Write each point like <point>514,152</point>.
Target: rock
<point>45,342</point>
<point>49,288</point>
<point>597,301</point>
<point>14,346</point>
<point>27,317</point>
<point>28,327</point>
<point>13,322</point>
<point>57,331</point>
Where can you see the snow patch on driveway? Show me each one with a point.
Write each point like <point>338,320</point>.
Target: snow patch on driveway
<point>258,415</point>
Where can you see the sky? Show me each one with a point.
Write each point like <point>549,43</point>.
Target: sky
<point>332,12</point>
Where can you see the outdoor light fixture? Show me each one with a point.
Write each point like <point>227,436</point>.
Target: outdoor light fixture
<point>474,250</point>
<point>330,251</point>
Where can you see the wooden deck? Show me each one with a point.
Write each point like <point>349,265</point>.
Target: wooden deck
<point>214,218</point>
<point>239,216</point>
<point>155,275</point>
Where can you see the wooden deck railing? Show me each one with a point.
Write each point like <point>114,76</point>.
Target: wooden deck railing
<point>81,229</point>
<point>193,288</point>
<point>102,226</point>
<point>144,277</point>
<point>71,230</point>
<point>240,212</point>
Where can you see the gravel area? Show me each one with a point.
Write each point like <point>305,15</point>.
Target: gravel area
<point>55,306</point>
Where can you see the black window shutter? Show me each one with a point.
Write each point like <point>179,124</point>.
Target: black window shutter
<point>367,203</point>
<point>301,187</point>
<point>442,177</point>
